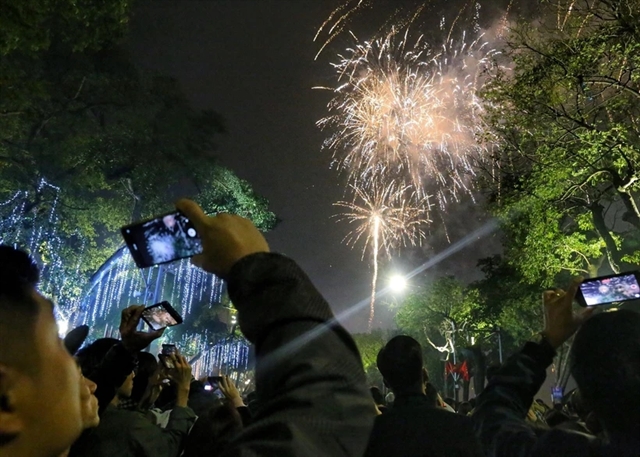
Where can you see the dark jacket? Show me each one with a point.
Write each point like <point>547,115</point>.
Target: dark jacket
<point>501,409</point>
<point>414,427</point>
<point>309,378</point>
<point>125,433</point>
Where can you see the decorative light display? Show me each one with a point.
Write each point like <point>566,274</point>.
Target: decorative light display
<point>118,283</point>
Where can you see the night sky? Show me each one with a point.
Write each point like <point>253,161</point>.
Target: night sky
<point>252,61</point>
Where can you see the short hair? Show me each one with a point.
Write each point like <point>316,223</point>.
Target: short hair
<point>400,363</point>
<point>605,362</point>
<point>19,311</point>
<point>90,357</point>
<point>147,366</point>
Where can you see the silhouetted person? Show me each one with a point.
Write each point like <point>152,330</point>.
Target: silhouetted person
<point>414,426</point>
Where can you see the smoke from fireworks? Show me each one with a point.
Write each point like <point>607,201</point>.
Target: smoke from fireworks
<point>386,217</point>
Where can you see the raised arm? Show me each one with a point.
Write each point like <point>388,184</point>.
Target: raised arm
<point>310,380</point>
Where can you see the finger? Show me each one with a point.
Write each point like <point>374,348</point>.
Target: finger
<point>193,212</point>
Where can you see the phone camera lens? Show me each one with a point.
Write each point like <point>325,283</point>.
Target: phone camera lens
<point>191,232</point>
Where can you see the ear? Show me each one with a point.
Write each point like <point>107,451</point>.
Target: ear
<point>11,424</point>
<point>425,375</point>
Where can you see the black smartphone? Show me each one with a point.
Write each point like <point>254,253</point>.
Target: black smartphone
<point>168,349</point>
<point>609,289</point>
<point>163,239</point>
<point>161,315</point>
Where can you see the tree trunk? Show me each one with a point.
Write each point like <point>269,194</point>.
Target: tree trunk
<point>614,255</point>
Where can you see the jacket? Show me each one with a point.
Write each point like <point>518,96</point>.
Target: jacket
<point>310,383</point>
<point>415,428</point>
<point>125,433</point>
<point>499,417</point>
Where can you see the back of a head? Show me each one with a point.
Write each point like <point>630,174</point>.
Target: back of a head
<point>18,309</point>
<point>90,357</point>
<point>605,362</point>
<point>400,363</point>
<point>147,366</point>
<point>213,431</point>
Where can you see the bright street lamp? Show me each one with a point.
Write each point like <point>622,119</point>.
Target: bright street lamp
<point>397,283</point>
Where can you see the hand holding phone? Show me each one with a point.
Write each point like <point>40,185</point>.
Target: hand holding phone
<point>225,238</point>
<point>162,239</point>
<point>161,315</point>
<point>132,339</point>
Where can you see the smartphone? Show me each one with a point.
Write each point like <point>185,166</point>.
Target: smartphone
<point>166,361</point>
<point>557,394</point>
<point>163,239</point>
<point>609,289</point>
<point>214,385</point>
<point>168,349</point>
<point>161,315</point>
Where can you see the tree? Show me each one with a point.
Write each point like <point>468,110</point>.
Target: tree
<point>565,114</point>
<point>369,345</point>
<point>444,318</point>
<point>89,142</point>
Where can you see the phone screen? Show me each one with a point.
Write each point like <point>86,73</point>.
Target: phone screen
<point>168,349</point>
<point>158,316</point>
<point>600,291</point>
<point>164,239</point>
<point>557,393</point>
<point>166,361</point>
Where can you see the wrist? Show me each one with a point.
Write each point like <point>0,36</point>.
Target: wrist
<point>182,396</point>
<point>237,401</point>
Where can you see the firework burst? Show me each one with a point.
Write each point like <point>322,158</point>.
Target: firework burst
<point>386,217</point>
<point>409,112</point>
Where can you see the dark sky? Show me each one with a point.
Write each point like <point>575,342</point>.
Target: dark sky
<point>252,61</point>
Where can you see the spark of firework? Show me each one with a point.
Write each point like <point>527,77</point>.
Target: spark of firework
<point>387,217</point>
<point>405,109</point>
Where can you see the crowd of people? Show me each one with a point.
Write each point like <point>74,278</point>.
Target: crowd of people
<point>111,398</point>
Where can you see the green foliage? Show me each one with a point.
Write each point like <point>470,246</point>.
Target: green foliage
<point>566,115</point>
<point>121,144</point>
<point>369,344</point>
<point>32,26</point>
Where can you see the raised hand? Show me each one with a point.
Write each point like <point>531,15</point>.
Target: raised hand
<point>225,238</point>
<point>560,321</point>
<point>132,339</point>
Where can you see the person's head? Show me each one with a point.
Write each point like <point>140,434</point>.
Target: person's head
<point>90,357</point>
<point>147,368</point>
<point>605,362</point>
<point>400,363</point>
<point>89,404</point>
<point>41,388</point>
<point>213,431</point>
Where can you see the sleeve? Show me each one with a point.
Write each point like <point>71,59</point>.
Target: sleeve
<point>110,374</point>
<point>309,377</point>
<point>153,441</point>
<point>499,417</point>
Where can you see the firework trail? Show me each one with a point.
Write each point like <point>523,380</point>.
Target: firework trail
<point>386,217</point>
<point>411,112</point>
